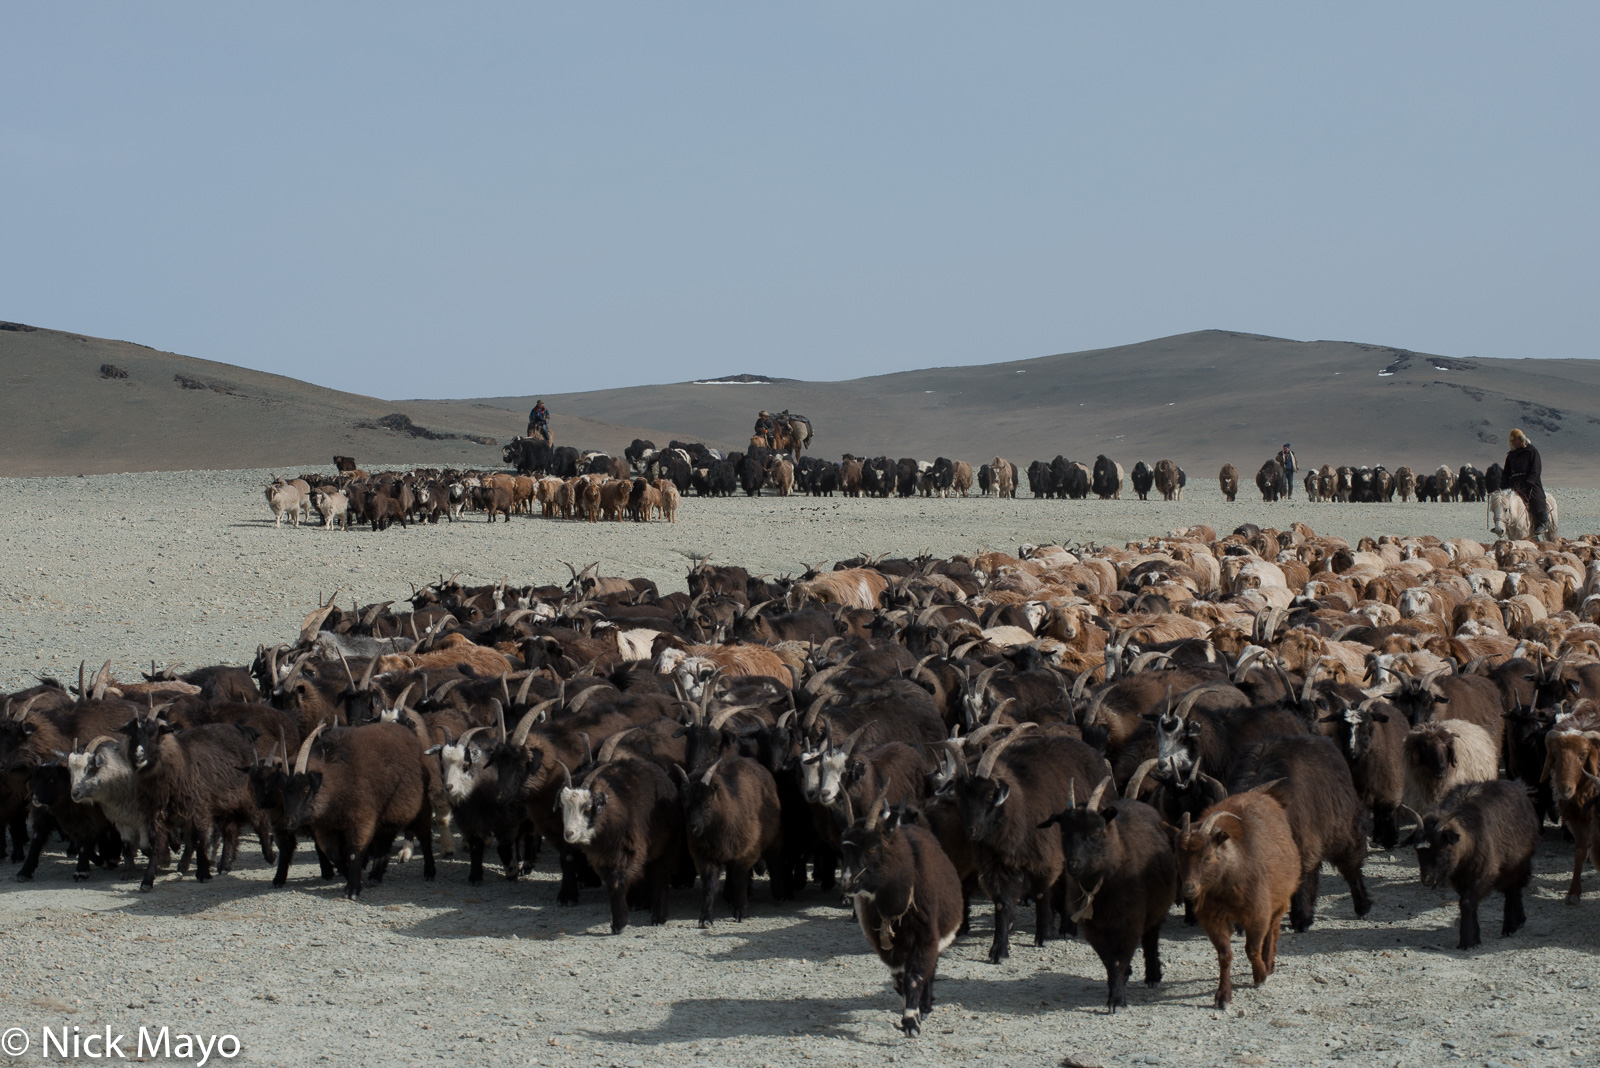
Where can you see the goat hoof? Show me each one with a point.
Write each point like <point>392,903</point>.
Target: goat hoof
<point>80,876</point>
<point>911,1025</point>
<point>21,878</point>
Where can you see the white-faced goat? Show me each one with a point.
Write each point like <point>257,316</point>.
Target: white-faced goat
<point>625,819</point>
<point>473,788</point>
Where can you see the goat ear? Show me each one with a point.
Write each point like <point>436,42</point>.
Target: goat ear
<point>1052,820</point>
<point>432,750</point>
<point>315,779</point>
<point>1574,686</point>
<point>1441,700</point>
<point>1001,795</point>
<point>1379,717</point>
<point>1109,812</point>
<point>1219,836</point>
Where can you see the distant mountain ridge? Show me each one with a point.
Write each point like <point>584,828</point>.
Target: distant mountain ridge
<point>1202,399</point>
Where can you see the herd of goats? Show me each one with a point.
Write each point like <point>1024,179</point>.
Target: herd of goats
<point>1103,733</point>
<point>646,483</point>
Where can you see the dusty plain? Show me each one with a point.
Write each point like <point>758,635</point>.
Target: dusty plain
<point>186,567</point>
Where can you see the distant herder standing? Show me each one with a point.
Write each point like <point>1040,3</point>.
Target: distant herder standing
<point>1286,461</point>
<point>1524,477</point>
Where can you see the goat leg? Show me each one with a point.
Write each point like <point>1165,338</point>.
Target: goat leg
<point>710,872</point>
<point>44,825</point>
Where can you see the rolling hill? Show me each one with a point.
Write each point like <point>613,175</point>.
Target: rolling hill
<point>1202,398</point>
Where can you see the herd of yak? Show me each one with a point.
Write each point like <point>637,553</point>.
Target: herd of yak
<point>646,482</point>
<point>1194,720</point>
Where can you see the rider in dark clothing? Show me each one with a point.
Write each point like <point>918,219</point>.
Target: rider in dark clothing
<point>1523,476</point>
<point>765,427</point>
<point>539,420</point>
<point>1286,460</point>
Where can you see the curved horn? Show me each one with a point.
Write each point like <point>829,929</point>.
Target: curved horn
<point>366,676</point>
<point>302,758</point>
<point>1309,689</point>
<point>1136,784</point>
<point>97,742</point>
<point>1187,703</point>
<point>499,717</point>
<point>519,734</point>
<point>102,679</point>
<point>728,713</point>
<point>466,735</point>
<point>986,765</point>
<point>875,813</point>
<point>786,719</point>
<point>608,748</point>
<point>566,773</point>
<point>1100,793</point>
<point>705,780</point>
<point>1211,820</point>
<point>522,691</point>
<point>1144,659</point>
<point>815,682</point>
<point>848,748</point>
<point>347,672</point>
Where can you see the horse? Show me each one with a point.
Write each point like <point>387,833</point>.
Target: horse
<point>1509,518</point>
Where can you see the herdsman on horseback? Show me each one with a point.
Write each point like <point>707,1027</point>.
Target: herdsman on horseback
<point>539,422</point>
<point>764,429</point>
<point>1524,476</point>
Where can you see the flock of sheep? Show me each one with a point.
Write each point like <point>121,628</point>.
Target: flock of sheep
<point>1195,720</point>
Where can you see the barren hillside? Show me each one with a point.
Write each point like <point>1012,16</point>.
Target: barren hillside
<point>1203,399</point>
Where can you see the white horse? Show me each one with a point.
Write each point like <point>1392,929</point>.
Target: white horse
<point>1508,516</point>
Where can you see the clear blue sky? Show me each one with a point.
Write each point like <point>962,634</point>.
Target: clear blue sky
<point>459,200</point>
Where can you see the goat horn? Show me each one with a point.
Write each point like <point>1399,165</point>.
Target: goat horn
<point>400,701</point>
<point>705,780</point>
<point>348,674</point>
<point>566,773</point>
<point>83,685</point>
<point>466,735</point>
<point>728,713</point>
<point>986,765</point>
<point>849,745</point>
<point>519,735</point>
<point>1211,820</point>
<point>875,813</point>
<point>1308,689</point>
<point>366,676</point>
<point>786,719</point>
<point>102,679</point>
<point>303,757</point>
<point>608,748</point>
<point>522,691</point>
<point>1072,792</point>
<point>1100,793</point>
<point>96,743</point>
<point>499,716</point>
<point>1136,784</point>
<point>1144,659</point>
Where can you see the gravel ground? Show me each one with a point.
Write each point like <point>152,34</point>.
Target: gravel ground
<point>182,567</point>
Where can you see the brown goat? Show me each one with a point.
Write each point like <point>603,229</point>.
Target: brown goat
<point>1572,760</point>
<point>1239,865</point>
